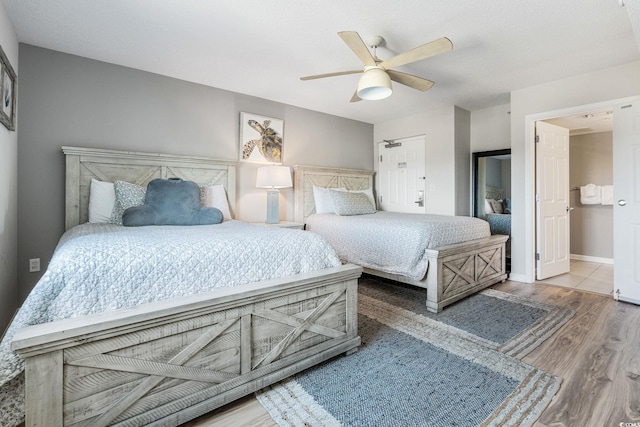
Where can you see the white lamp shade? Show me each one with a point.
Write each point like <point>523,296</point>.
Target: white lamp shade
<point>274,177</point>
<point>374,84</point>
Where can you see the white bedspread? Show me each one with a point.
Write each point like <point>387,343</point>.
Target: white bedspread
<point>394,242</point>
<point>100,267</point>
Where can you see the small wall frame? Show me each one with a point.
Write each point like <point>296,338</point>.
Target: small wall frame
<point>8,92</point>
<point>261,139</point>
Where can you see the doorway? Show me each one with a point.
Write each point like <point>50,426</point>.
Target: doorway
<point>626,120</point>
<point>573,154</point>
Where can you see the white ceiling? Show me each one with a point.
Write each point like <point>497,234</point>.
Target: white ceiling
<point>585,123</point>
<point>262,47</point>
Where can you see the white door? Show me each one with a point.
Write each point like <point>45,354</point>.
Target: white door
<point>552,200</point>
<point>401,175</point>
<point>626,203</point>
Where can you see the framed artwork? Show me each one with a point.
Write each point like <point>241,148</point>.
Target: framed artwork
<point>8,87</point>
<point>261,139</point>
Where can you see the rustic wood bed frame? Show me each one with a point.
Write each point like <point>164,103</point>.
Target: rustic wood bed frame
<point>454,272</point>
<point>167,362</point>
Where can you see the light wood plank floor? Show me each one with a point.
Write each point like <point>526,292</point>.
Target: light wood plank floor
<point>597,353</point>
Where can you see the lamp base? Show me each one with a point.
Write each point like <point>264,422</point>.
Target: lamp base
<point>273,206</point>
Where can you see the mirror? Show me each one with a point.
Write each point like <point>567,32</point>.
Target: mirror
<point>492,192</point>
<point>491,179</point>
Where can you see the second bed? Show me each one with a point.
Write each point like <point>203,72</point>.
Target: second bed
<point>451,256</point>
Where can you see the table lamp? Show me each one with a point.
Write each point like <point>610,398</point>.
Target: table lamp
<point>273,178</point>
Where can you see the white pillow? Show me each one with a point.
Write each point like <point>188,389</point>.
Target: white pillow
<point>322,199</point>
<point>102,197</point>
<point>215,196</point>
<point>487,207</point>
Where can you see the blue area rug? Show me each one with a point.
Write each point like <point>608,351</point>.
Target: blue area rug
<point>513,324</point>
<point>419,369</point>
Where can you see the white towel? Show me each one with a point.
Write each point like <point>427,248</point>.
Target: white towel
<point>607,194</point>
<point>590,194</point>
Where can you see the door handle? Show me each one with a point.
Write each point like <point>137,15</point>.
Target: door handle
<point>569,209</point>
<point>622,202</point>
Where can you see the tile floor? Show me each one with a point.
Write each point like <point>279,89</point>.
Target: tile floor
<point>586,276</point>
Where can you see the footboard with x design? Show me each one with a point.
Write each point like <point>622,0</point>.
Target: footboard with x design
<point>458,270</point>
<point>165,363</point>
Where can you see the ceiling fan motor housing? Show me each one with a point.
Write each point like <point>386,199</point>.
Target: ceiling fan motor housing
<point>374,84</point>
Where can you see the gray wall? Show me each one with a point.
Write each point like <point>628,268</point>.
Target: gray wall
<point>69,100</point>
<point>494,172</point>
<point>499,174</point>
<point>441,128</point>
<point>591,161</point>
<point>8,190</point>
<point>490,128</point>
<point>462,161</point>
<point>505,165</point>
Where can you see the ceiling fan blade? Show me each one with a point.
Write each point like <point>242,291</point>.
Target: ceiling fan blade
<point>339,73</point>
<point>355,43</point>
<point>355,97</point>
<point>409,80</point>
<point>419,53</point>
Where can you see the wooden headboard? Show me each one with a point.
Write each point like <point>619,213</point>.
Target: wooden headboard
<point>305,177</point>
<point>493,192</point>
<point>83,164</point>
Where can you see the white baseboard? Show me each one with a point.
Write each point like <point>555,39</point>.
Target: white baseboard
<point>591,259</point>
<point>519,278</point>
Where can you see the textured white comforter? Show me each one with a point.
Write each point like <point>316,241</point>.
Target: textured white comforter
<point>394,242</point>
<point>100,267</point>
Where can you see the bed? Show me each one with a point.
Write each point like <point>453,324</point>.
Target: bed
<point>177,355</point>
<point>450,272</point>
<point>498,214</point>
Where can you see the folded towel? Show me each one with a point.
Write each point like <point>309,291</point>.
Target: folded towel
<point>607,194</point>
<point>590,194</point>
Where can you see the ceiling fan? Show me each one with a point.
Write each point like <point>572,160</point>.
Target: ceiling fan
<point>376,80</point>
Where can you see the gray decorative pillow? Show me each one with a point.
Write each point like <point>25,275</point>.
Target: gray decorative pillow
<point>496,205</point>
<point>127,195</point>
<point>348,203</point>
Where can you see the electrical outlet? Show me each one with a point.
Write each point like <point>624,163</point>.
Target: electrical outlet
<point>34,265</point>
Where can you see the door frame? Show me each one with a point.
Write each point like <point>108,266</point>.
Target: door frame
<point>530,219</point>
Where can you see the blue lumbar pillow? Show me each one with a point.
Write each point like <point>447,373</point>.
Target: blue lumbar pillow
<point>171,202</point>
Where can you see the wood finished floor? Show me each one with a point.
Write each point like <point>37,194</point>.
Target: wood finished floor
<point>597,353</point>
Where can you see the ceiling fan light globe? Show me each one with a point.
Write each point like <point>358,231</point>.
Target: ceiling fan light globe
<point>374,84</point>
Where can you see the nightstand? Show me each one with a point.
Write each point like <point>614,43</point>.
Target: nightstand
<point>282,224</point>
